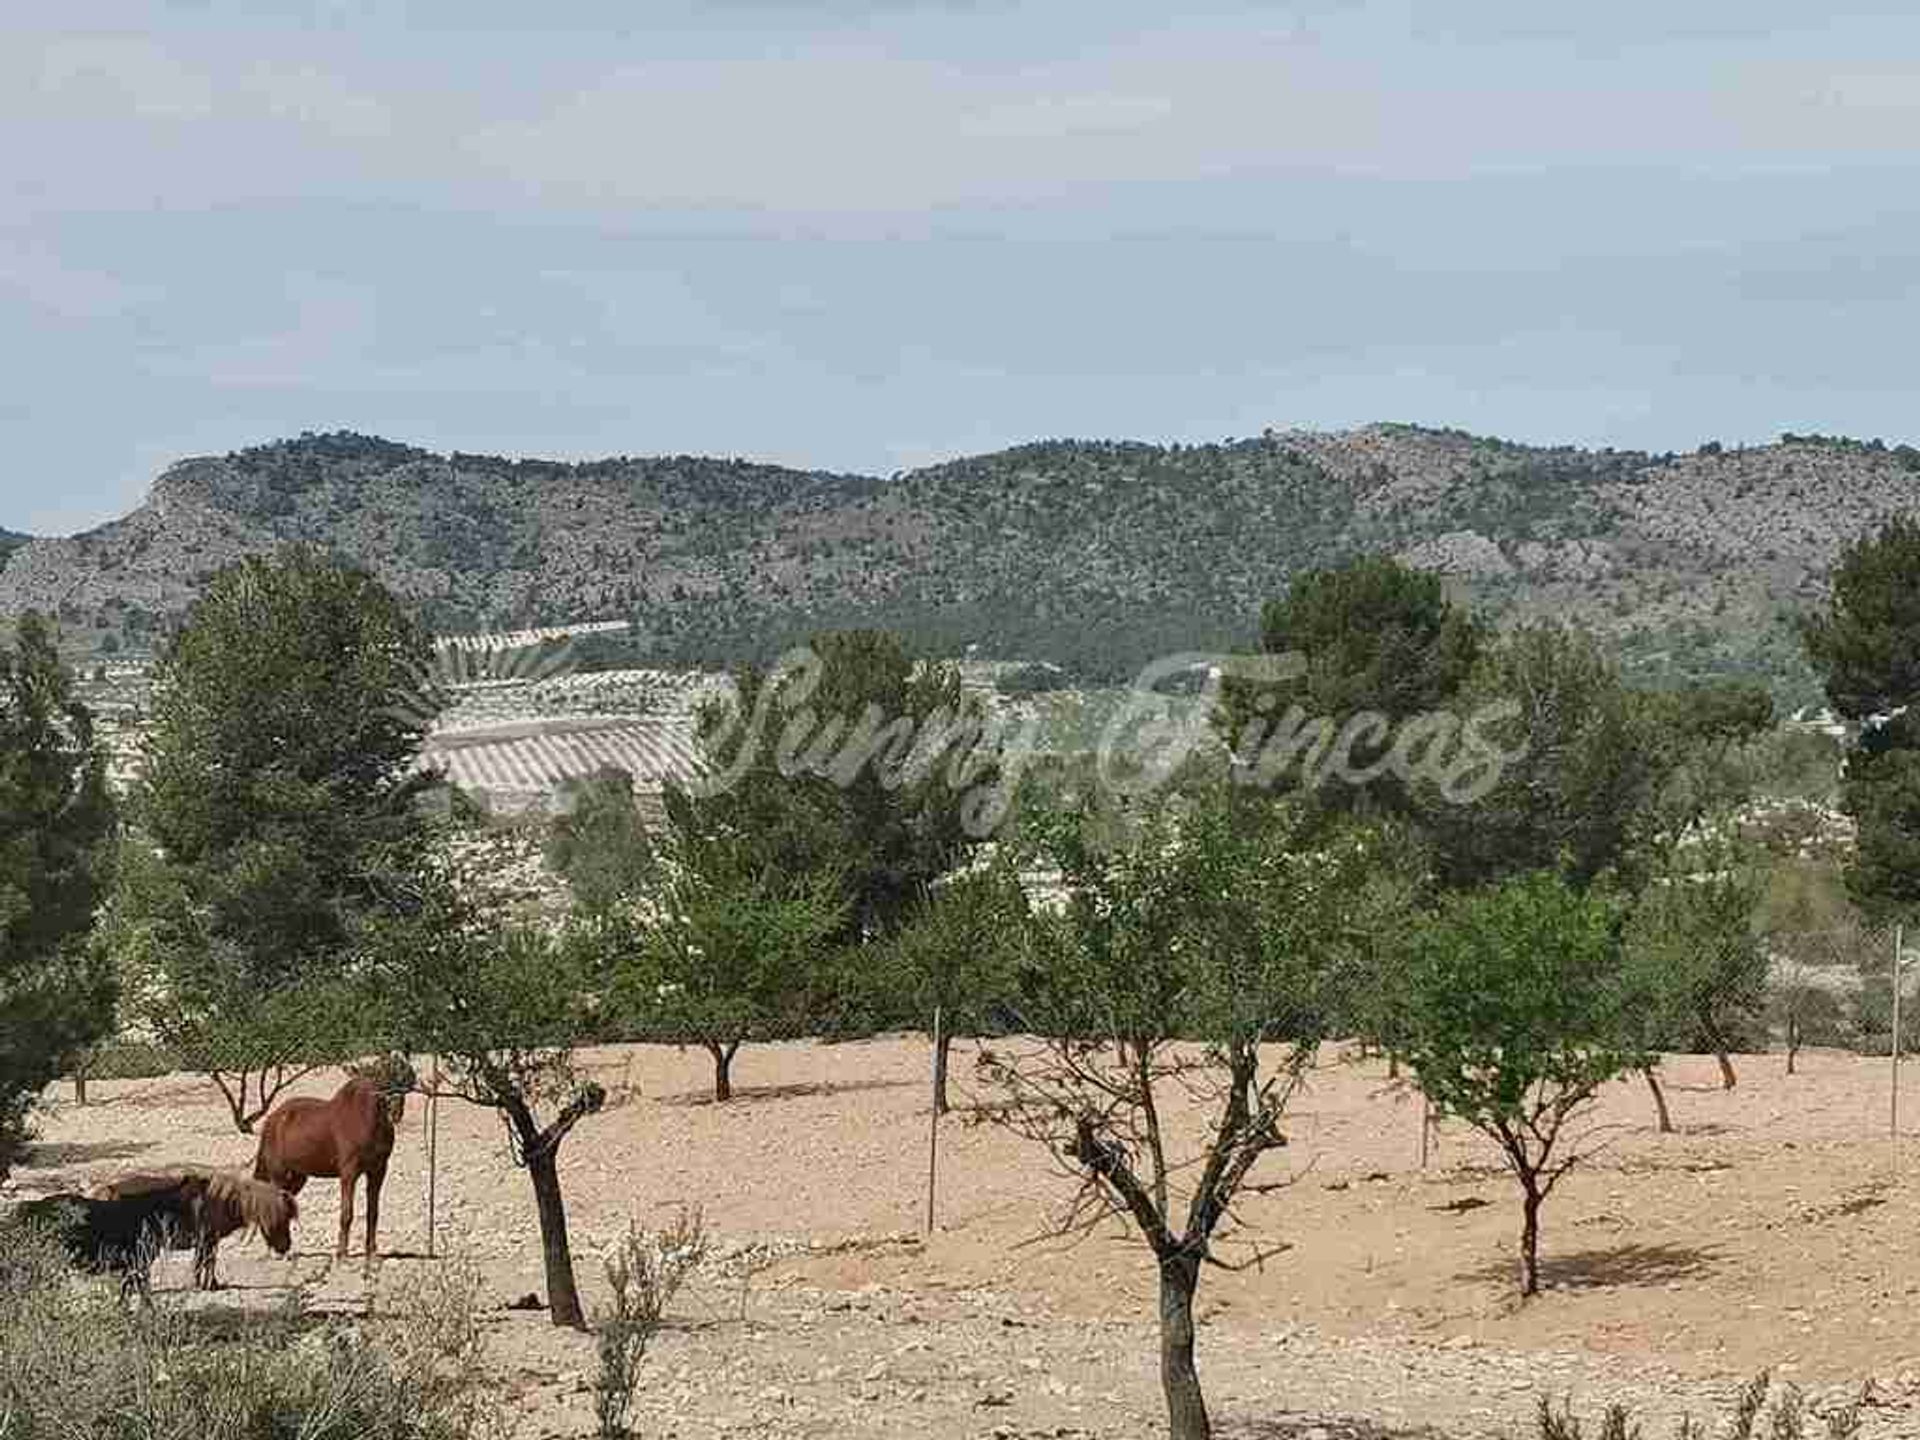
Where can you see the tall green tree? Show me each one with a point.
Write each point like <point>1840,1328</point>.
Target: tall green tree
<point>861,763</point>
<point>599,842</point>
<point>56,821</point>
<point>279,773</point>
<point>1705,739</point>
<point>1371,637</point>
<point>1580,769</point>
<point>1511,1012</point>
<point>1866,647</point>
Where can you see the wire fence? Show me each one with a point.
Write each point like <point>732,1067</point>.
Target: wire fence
<point>1814,989</point>
<point>1846,989</point>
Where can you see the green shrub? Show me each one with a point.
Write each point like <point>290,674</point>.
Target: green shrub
<point>644,1273</point>
<point>75,1363</point>
<point>1788,1419</point>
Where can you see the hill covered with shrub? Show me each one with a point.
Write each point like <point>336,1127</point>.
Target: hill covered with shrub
<point>1093,555</point>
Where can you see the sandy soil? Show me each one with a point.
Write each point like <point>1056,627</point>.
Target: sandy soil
<point>1773,1232</point>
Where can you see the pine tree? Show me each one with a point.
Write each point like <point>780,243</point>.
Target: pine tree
<point>56,816</point>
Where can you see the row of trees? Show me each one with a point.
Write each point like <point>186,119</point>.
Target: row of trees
<point>282,892</point>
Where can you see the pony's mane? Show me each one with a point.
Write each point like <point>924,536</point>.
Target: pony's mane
<point>234,1194</point>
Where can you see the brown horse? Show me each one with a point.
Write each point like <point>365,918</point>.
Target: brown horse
<point>221,1202</point>
<point>349,1136</point>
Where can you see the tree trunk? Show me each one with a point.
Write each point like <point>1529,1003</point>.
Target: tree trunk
<point>1727,1077</point>
<point>563,1298</point>
<point>236,1101</point>
<point>722,1070</point>
<point>1659,1100</point>
<point>1179,1379</point>
<point>1530,1239</point>
<point>943,1043</point>
<point>1793,1041</point>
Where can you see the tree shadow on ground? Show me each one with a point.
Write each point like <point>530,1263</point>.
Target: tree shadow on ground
<point>1645,1165</point>
<point>1608,1268</point>
<point>159,1094</point>
<point>57,1154</point>
<point>1299,1427</point>
<point>746,1094</point>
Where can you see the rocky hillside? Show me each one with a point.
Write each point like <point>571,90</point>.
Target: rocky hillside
<point>1095,555</point>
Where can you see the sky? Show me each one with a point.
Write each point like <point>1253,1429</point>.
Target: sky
<point>862,235</point>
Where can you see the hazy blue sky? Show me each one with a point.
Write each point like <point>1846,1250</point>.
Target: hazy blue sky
<point>883,234</point>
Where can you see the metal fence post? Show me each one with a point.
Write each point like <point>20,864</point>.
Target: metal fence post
<point>433,1155</point>
<point>1893,1104</point>
<point>933,1120</point>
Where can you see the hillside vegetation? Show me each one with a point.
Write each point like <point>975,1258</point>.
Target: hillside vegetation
<point>1095,555</point>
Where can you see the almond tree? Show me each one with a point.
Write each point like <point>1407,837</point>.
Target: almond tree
<point>1175,1001</point>
<point>502,1000</point>
<point>1695,952</point>
<point>962,955</point>
<point>1511,1012</point>
<point>725,949</point>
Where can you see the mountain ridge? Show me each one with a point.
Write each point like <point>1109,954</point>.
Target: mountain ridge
<point>1096,554</point>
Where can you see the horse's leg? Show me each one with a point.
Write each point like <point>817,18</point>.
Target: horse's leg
<point>138,1277</point>
<point>348,1175</point>
<point>376,1177</point>
<point>203,1259</point>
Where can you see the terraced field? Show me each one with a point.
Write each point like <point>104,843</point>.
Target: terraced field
<point>519,763</point>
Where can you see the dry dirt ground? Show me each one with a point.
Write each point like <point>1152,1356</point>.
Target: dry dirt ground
<point>1778,1229</point>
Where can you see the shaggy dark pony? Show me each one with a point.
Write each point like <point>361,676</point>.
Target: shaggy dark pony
<point>120,1235</point>
<point>228,1201</point>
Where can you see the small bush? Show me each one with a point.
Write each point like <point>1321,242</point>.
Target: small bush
<point>1788,1420</point>
<point>74,1362</point>
<point>645,1271</point>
